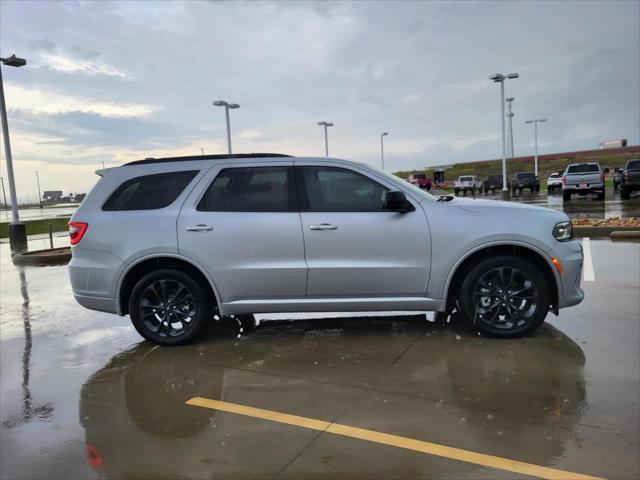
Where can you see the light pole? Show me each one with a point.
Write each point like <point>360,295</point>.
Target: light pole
<point>227,106</point>
<point>17,232</point>
<point>382,135</point>
<point>4,195</point>
<point>535,142</point>
<point>500,78</point>
<point>39,195</point>
<point>326,139</point>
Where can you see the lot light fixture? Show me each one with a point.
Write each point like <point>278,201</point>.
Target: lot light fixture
<point>326,139</point>
<point>500,78</point>
<point>227,106</point>
<point>382,135</point>
<point>17,232</point>
<point>535,142</point>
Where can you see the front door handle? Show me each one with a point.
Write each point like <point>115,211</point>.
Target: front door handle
<point>199,228</point>
<point>323,226</point>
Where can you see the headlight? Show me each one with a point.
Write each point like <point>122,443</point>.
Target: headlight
<point>563,231</point>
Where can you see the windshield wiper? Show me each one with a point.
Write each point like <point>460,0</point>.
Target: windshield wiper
<point>445,198</point>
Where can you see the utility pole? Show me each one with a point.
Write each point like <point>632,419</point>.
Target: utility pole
<point>4,195</point>
<point>510,114</point>
<point>382,135</point>
<point>227,106</point>
<point>535,141</point>
<point>39,194</point>
<point>326,138</point>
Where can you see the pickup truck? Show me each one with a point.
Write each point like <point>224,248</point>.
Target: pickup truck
<point>467,183</point>
<point>522,180</point>
<point>420,180</point>
<point>493,183</point>
<point>630,180</point>
<point>583,178</point>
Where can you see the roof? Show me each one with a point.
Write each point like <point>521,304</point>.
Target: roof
<point>205,157</point>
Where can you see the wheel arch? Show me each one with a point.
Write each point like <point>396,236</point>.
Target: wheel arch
<point>144,265</point>
<point>529,252</point>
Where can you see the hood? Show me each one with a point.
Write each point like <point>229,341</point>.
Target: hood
<point>500,207</point>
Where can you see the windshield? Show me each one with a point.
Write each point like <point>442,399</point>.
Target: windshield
<point>419,176</point>
<point>466,179</point>
<point>494,178</point>
<point>583,168</point>
<point>633,164</point>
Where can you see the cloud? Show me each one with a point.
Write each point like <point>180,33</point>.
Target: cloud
<point>49,102</point>
<point>67,64</point>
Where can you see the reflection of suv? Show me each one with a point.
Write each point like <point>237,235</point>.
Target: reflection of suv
<point>522,180</point>
<point>174,242</point>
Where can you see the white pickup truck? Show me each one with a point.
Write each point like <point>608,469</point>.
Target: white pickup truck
<point>467,183</point>
<point>583,178</point>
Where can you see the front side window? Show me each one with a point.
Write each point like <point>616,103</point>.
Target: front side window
<point>251,189</point>
<point>149,192</point>
<point>334,189</point>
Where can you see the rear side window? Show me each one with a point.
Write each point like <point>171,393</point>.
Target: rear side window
<point>251,189</point>
<point>524,176</point>
<point>333,189</point>
<point>583,168</point>
<point>149,192</point>
<point>633,164</point>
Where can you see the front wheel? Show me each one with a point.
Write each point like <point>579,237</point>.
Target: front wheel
<point>505,297</point>
<point>168,307</point>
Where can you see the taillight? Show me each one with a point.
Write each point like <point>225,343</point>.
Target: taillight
<point>602,177</point>
<point>626,175</point>
<point>564,179</point>
<point>76,231</point>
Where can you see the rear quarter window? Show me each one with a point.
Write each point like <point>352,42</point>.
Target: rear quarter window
<point>149,192</point>
<point>583,168</point>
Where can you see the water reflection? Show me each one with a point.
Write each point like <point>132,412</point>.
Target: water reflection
<point>28,410</point>
<point>137,426</point>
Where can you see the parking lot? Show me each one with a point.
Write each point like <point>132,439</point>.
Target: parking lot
<point>83,397</point>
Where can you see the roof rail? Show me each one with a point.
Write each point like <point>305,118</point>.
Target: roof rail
<point>205,157</point>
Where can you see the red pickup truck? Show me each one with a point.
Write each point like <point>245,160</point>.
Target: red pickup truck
<point>420,180</point>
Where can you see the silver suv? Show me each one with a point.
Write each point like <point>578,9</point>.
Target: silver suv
<point>175,242</point>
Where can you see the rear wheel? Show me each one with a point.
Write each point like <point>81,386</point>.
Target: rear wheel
<point>600,195</point>
<point>168,307</point>
<point>566,195</point>
<point>625,193</point>
<point>505,297</point>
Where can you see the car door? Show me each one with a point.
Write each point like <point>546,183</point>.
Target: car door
<point>353,247</point>
<point>242,225</point>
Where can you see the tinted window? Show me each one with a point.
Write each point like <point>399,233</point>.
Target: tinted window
<point>524,176</point>
<point>419,176</point>
<point>332,189</point>
<point>494,178</point>
<point>583,168</point>
<point>633,164</point>
<point>251,189</point>
<point>149,192</point>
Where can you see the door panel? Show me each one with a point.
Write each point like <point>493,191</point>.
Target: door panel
<point>249,254</point>
<point>365,253</point>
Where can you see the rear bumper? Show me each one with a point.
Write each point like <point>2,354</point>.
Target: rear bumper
<point>591,187</point>
<point>101,304</point>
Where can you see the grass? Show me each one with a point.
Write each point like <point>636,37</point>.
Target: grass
<point>545,167</point>
<point>35,227</point>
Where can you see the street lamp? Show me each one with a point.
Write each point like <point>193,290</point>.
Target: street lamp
<point>326,140</point>
<point>500,78</point>
<point>382,135</point>
<point>39,195</point>
<point>227,106</point>
<point>535,130</point>
<point>17,232</point>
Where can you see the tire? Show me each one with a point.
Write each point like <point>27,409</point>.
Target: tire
<point>600,196</point>
<point>566,195</point>
<point>428,187</point>
<point>625,193</point>
<point>503,276</point>
<point>155,291</point>
<point>455,192</point>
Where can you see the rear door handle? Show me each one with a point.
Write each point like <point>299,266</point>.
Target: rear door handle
<point>199,228</point>
<point>323,226</point>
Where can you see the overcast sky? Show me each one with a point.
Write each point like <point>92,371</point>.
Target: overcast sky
<point>115,82</point>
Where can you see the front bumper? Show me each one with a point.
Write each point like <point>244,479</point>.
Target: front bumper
<point>570,256</point>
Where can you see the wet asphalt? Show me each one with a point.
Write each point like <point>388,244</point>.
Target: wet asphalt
<point>82,397</point>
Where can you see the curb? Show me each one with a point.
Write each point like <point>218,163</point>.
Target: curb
<point>595,232</point>
<point>620,234</point>
<point>43,258</point>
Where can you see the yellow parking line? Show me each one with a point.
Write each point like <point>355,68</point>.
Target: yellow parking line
<point>394,441</point>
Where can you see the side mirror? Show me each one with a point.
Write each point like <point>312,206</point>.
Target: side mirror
<point>396,201</point>
<point>606,170</point>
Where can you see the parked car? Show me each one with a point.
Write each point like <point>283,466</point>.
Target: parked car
<point>554,182</point>
<point>617,177</point>
<point>493,183</point>
<point>522,180</point>
<point>420,180</point>
<point>583,178</point>
<point>175,242</point>
<point>630,181</point>
<point>467,183</point>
